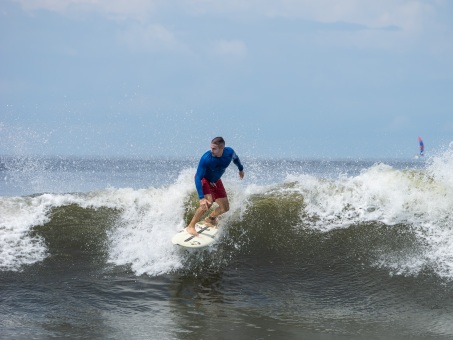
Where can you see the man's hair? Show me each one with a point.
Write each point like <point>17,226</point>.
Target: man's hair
<point>218,141</point>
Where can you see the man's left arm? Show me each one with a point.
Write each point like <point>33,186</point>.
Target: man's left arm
<point>238,163</point>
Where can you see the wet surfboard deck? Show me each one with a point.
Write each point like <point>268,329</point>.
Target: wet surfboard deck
<point>207,234</point>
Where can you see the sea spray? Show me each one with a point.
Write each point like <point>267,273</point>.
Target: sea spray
<point>141,237</point>
<point>18,215</point>
<point>302,199</point>
<point>419,198</point>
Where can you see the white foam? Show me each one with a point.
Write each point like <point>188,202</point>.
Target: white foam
<point>149,220</point>
<point>149,217</point>
<point>441,166</point>
<point>422,199</point>
<point>18,215</point>
<point>380,193</point>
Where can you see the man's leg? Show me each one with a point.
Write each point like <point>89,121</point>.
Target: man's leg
<point>224,206</point>
<point>196,217</point>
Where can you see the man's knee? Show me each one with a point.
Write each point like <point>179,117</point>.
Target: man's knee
<point>224,206</point>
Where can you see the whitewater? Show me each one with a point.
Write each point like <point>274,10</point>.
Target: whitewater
<point>319,249</point>
<point>419,197</point>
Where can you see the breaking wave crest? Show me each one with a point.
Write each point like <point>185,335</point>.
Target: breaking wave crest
<point>399,220</point>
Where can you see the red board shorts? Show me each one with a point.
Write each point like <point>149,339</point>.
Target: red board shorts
<point>215,189</point>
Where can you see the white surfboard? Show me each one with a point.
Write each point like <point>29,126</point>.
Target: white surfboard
<point>206,236</point>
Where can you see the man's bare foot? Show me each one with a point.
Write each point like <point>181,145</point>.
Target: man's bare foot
<point>213,222</point>
<point>192,230</point>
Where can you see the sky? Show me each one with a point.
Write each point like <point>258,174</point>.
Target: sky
<point>354,79</point>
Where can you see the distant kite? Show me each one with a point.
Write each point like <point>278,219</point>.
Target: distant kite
<point>422,146</point>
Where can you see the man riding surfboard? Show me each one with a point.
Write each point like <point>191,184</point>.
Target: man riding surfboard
<point>209,186</point>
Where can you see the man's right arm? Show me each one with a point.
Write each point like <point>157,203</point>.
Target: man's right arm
<point>201,170</point>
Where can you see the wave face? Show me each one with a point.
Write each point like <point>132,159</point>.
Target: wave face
<point>395,217</point>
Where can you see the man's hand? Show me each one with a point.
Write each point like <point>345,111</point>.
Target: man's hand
<point>241,174</point>
<point>205,204</point>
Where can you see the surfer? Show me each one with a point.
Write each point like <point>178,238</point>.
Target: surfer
<point>209,186</point>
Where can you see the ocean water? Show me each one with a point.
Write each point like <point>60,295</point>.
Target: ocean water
<point>311,249</point>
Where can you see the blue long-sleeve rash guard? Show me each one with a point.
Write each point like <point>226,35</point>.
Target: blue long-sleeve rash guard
<point>212,168</point>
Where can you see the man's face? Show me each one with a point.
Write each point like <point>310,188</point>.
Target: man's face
<point>216,150</point>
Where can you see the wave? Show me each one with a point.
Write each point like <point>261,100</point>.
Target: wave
<point>397,220</point>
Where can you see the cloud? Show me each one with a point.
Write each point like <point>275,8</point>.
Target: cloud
<point>387,24</point>
<point>115,9</point>
<point>152,38</point>
<point>399,123</point>
<point>230,49</point>
<point>409,14</point>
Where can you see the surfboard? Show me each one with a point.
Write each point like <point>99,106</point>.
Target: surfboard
<point>206,236</point>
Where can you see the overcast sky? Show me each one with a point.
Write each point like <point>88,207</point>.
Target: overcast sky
<point>276,78</point>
